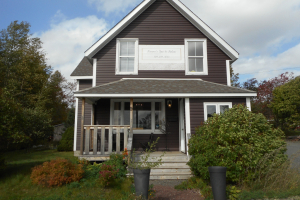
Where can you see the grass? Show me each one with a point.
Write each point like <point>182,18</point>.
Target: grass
<point>15,181</point>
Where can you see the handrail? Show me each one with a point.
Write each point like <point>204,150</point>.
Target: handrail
<point>92,138</point>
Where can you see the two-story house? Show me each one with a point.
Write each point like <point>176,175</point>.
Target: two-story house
<point>160,68</point>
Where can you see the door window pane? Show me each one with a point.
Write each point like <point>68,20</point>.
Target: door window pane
<point>211,109</point>
<point>142,115</point>
<point>117,113</point>
<point>126,113</point>
<point>223,108</point>
<point>158,115</point>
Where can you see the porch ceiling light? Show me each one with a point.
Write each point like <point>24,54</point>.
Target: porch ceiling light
<point>169,103</point>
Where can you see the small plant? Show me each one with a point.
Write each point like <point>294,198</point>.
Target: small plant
<point>232,192</point>
<point>56,173</point>
<point>144,161</point>
<point>108,174</point>
<point>116,160</point>
<point>92,171</point>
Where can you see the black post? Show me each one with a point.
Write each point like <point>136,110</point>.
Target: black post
<point>218,182</point>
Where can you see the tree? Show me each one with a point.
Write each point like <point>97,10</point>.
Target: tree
<point>264,94</point>
<point>286,105</point>
<point>251,84</point>
<point>32,98</point>
<point>234,78</point>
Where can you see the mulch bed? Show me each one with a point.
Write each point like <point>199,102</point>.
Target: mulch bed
<point>164,190</point>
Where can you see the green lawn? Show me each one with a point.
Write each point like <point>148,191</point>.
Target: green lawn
<point>15,182</point>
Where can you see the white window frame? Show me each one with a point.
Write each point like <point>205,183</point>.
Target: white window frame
<point>152,130</point>
<point>135,71</point>
<point>217,104</point>
<point>205,66</point>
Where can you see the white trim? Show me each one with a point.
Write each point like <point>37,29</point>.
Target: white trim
<point>118,28</point>
<point>171,95</point>
<point>248,103</point>
<point>213,36</point>
<point>152,101</point>
<point>205,29</point>
<point>164,79</point>
<point>76,118</point>
<point>136,56</point>
<point>217,104</point>
<point>187,123</point>
<point>205,67</point>
<point>228,72</point>
<point>81,77</point>
<point>94,71</point>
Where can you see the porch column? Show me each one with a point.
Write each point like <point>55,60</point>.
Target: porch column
<point>130,138</point>
<point>248,103</point>
<point>187,123</point>
<point>82,123</point>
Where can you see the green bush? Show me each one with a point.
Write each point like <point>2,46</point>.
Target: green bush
<point>236,139</point>
<point>92,171</point>
<point>66,143</point>
<point>117,161</point>
<point>2,163</point>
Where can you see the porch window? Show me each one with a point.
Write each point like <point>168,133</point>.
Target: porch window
<point>127,56</point>
<point>212,108</point>
<point>147,114</point>
<point>196,56</point>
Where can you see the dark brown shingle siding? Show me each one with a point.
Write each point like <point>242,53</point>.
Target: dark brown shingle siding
<point>160,24</point>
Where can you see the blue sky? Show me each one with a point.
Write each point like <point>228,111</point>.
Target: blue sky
<point>266,33</point>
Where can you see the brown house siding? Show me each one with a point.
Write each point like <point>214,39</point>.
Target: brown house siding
<point>83,84</point>
<point>160,24</point>
<point>197,110</point>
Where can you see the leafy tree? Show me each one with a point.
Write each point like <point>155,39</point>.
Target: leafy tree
<point>237,139</point>
<point>70,118</point>
<point>234,78</point>
<point>66,143</point>
<point>251,84</point>
<point>265,96</point>
<point>286,105</point>
<point>31,96</point>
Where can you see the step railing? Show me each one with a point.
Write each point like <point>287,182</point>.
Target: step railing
<point>94,137</point>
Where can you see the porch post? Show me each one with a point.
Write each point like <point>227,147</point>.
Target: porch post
<point>131,128</point>
<point>81,127</point>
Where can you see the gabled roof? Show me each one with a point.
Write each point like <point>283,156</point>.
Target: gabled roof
<point>154,87</point>
<point>84,68</point>
<point>180,7</point>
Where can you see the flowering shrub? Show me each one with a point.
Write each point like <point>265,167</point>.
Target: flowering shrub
<point>56,173</point>
<point>107,174</point>
<point>116,160</point>
<point>125,153</point>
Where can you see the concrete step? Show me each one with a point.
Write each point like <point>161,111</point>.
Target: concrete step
<point>171,171</point>
<point>183,177</point>
<point>165,158</point>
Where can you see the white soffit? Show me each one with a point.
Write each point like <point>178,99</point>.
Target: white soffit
<point>180,7</point>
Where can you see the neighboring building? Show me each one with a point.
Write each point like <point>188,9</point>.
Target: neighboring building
<point>58,131</point>
<point>172,65</point>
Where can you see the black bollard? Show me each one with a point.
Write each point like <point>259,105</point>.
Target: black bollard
<point>218,181</point>
<point>141,182</point>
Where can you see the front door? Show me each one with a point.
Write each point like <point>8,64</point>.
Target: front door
<point>181,126</point>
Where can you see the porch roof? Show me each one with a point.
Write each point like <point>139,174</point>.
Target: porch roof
<point>151,87</point>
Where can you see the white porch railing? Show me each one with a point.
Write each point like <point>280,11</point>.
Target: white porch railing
<point>93,138</point>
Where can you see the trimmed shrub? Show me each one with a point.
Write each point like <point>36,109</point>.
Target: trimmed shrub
<point>56,173</point>
<point>66,143</point>
<point>236,139</point>
<point>116,160</point>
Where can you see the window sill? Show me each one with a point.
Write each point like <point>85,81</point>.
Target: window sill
<point>196,73</point>
<point>126,73</point>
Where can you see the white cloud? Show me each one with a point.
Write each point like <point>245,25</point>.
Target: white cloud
<point>265,67</point>
<point>66,41</point>
<point>257,29</point>
<point>116,6</point>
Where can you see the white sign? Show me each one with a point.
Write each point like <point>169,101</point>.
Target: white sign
<point>161,54</point>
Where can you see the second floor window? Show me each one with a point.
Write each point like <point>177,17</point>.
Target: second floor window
<point>196,56</point>
<point>127,59</point>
